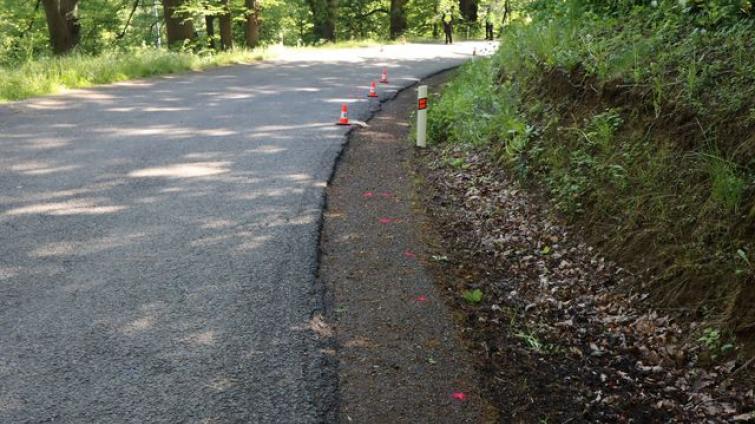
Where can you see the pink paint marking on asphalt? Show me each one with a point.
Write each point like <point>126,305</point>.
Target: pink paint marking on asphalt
<point>367,194</point>
<point>389,220</point>
<point>458,396</point>
<point>421,298</point>
<point>409,254</point>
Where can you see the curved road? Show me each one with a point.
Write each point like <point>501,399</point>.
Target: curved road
<point>158,240</point>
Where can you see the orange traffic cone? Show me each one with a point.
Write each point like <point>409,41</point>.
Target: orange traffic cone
<point>344,120</point>
<point>373,92</point>
<point>384,76</point>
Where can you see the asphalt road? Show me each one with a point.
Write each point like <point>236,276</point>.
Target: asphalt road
<point>158,240</point>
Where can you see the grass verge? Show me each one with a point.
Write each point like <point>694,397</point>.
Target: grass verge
<point>52,75</point>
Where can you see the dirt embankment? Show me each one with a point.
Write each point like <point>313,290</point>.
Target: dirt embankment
<point>673,225</point>
<point>563,333</point>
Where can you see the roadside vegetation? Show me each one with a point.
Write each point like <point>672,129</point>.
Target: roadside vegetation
<point>637,121</point>
<point>595,181</point>
<point>53,74</point>
<point>48,45</point>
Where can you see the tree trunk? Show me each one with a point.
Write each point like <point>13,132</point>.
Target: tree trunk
<point>62,24</point>
<point>252,23</point>
<point>69,9</point>
<point>329,30</point>
<point>436,30</point>
<point>226,34</point>
<point>318,17</point>
<point>209,21</point>
<point>324,14</point>
<point>398,18</point>
<point>468,9</point>
<point>178,28</point>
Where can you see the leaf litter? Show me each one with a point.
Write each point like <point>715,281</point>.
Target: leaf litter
<point>563,332</point>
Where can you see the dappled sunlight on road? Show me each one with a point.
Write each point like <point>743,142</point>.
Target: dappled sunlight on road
<point>88,247</point>
<point>72,207</point>
<point>40,168</point>
<point>183,170</point>
<point>153,232</point>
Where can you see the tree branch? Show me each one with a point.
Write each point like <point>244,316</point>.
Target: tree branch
<point>372,12</point>
<point>128,21</point>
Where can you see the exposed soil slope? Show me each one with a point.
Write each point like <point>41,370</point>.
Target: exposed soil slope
<point>561,333</point>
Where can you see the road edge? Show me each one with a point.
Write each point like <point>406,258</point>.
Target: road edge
<point>329,404</point>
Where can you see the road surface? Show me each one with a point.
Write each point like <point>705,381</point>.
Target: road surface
<point>158,240</point>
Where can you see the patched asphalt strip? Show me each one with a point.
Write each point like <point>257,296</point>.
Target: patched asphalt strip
<point>399,358</point>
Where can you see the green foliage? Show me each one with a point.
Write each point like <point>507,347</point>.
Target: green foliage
<point>76,71</point>
<point>531,340</point>
<point>727,186</point>
<point>119,28</point>
<point>473,296</point>
<point>713,341</point>
<point>472,111</point>
<point>638,120</point>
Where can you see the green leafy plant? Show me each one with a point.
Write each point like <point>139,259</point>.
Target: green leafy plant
<point>714,343</point>
<point>473,296</point>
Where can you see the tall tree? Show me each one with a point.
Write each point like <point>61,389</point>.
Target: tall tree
<point>398,18</point>
<point>330,20</point>
<point>226,32</point>
<point>63,24</point>
<point>209,21</point>
<point>252,23</point>
<point>178,24</point>
<point>436,30</point>
<point>468,9</point>
<point>324,15</point>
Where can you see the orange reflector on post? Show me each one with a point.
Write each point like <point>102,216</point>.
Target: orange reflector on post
<point>422,116</point>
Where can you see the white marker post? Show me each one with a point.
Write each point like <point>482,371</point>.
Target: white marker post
<point>422,116</point>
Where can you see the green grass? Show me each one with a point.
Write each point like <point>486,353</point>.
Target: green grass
<point>53,75</point>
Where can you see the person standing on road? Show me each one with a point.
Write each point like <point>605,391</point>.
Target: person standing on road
<point>489,25</point>
<point>448,27</point>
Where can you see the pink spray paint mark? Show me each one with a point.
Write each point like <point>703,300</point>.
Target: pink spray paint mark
<point>389,220</point>
<point>458,396</point>
<point>386,194</point>
<point>409,254</point>
<point>422,298</point>
<point>367,194</point>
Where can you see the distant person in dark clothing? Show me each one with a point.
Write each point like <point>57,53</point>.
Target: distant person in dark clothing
<point>489,25</point>
<point>448,28</point>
